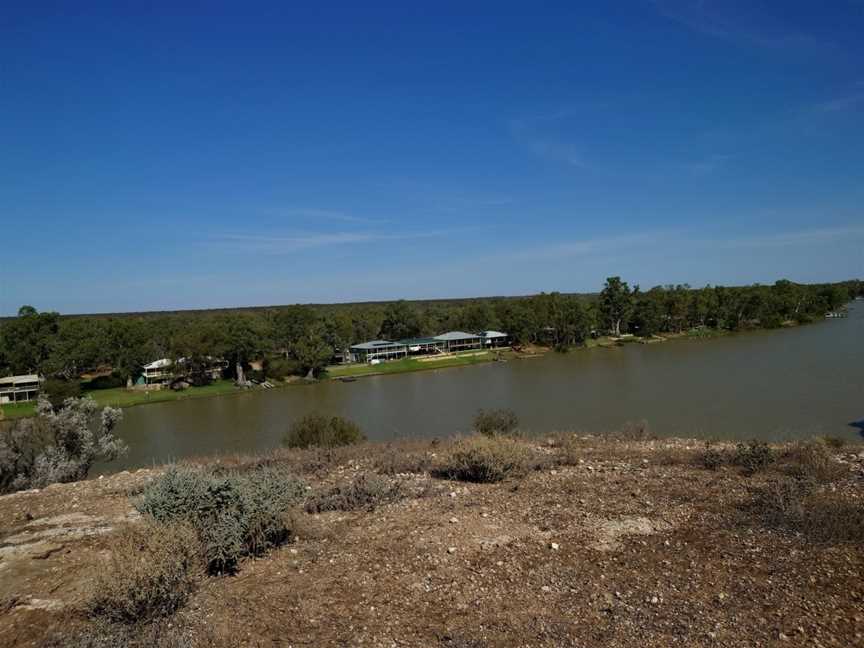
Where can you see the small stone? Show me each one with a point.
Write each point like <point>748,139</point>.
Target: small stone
<point>546,588</point>
<point>783,637</point>
<point>554,546</point>
<point>451,550</point>
<point>454,520</point>
<point>654,600</point>
<point>452,494</point>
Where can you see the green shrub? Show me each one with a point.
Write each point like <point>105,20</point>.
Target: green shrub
<point>752,456</point>
<point>323,431</point>
<point>366,491</point>
<point>111,381</point>
<point>151,573</point>
<point>496,422</point>
<point>712,458</point>
<point>234,515</point>
<point>482,459</point>
<point>57,390</point>
<point>280,368</point>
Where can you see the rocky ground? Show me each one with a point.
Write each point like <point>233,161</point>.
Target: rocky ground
<point>624,544</point>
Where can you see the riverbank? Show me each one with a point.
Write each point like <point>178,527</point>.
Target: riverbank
<point>422,363</point>
<point>122,397</point>
<point>602,542</point>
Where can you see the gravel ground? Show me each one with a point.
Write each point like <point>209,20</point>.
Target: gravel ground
<point>632,544</point>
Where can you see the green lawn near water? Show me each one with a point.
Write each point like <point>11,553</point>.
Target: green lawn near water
<point>412,364</point>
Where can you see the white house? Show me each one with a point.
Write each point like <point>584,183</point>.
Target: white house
<point>19,389</point>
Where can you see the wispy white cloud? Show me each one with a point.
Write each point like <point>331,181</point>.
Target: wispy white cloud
<point>848,103</point>
<point>736,21</point>
<point>284,244</point>
<point>797,238</point>
<point>709,164</point>
<point>308,214</point>
<point>539,134</point>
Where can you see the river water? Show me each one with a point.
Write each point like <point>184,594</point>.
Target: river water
<point>771,385</point>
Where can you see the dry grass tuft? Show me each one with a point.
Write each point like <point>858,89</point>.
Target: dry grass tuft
<point>151,573</point>
<point>483,459</point>
<point>820,516</point>
<point>367,492</point>
<point>813,460</point>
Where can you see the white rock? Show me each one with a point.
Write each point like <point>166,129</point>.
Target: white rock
<point>451,550</point>
<point>554,546</point>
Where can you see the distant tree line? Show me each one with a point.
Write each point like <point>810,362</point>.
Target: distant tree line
<point>302,340</point>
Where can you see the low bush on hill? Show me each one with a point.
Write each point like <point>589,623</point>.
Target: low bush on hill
<point>798,506</point>
<point>482,459</point>
<point>323,432</point>
<point>813,460</point>
<point>496,422</point>
<point>234,515</point>
<point>366,492</point>
<point>151,573</point>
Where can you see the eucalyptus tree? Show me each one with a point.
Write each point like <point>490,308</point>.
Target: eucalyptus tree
<point>616,304</point>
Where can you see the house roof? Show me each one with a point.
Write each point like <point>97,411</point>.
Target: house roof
<point>493,334</point>
<point>376,344</point>
<point>159,364</point>
<point>449,336</point>
<point>416,341</point>
<point>14,380</point>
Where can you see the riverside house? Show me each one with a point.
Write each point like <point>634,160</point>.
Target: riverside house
<point>451,342</point>
<point>19,389</point>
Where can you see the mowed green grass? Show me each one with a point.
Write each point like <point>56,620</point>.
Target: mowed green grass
<point>410,364</point>
<point>122,397</point>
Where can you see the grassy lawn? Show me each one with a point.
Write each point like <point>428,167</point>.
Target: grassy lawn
<point>18,410</point>
<point>122,397</point>
<point>411,364</point>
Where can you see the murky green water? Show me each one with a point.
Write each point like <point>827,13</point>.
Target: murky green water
<point>770,385</point>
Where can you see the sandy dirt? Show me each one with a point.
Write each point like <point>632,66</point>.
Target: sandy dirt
<point>630,546</point>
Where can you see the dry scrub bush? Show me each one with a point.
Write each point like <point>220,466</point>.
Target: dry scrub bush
<point>323,432</point>
<point>102,634</point>
<point>483,459</point>
<point>368,491</point>
<point>633,431</point>
<point>813,460</point>
<point>496,422</point>
<point>234,515</point>
<point>396,459</point>
<point>151,573</point>
<point>751,456</point>
<point>795,505</point>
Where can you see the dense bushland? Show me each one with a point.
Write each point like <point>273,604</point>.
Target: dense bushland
<point>301,340</point>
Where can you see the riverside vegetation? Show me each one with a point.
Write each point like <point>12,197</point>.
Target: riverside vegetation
<point>555,541</point>
<point>301,340</point>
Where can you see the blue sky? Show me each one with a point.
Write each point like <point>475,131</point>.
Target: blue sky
<point>218,154</point>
